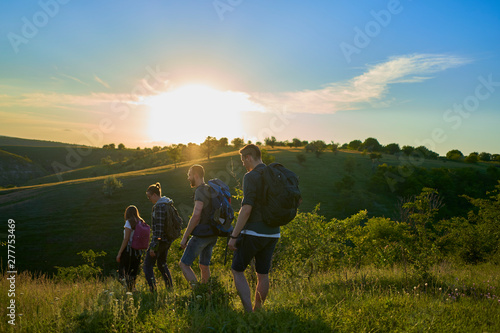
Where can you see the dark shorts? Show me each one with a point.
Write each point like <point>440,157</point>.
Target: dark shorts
<point>260,248</point>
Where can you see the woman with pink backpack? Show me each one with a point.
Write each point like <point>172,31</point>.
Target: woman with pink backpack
<point>135,240</point>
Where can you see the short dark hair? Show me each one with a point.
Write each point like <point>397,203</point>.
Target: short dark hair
<point>198,169</point>
<point>252,150</point>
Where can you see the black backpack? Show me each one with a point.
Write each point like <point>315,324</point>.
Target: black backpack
<point>173,222</point>
<point>281,195</point>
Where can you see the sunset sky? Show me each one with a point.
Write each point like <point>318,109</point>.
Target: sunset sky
<point>156,72</point>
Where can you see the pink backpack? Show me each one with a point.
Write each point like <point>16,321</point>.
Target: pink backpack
<point>140,240</point>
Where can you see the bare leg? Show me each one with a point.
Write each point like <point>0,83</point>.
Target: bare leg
<point>188,273</point>
<point>241,284</point>
<point>205,273</point>
<point>262,290</point>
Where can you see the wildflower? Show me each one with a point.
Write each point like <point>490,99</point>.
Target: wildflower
<point>439,289</point>
<point>57,298</point>
<point>128,293</point>
<point>414,288</point>
<point>199,297</point>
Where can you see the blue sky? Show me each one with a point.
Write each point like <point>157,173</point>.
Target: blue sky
<point>410,72</point>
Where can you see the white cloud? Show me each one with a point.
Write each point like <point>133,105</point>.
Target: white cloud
<point>371,86</point>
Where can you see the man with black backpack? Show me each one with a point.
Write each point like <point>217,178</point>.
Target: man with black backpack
<point>199,227</point>
<point>251,237</point>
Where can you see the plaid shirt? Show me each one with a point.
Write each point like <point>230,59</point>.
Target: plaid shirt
<point>158,218</point>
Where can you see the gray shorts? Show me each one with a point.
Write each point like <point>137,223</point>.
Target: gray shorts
<point>199,246</point>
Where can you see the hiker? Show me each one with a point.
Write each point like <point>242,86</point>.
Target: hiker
<point>251,237</point>
<point>128,257</point>
<point>158,248</point>
<point>203,236</point>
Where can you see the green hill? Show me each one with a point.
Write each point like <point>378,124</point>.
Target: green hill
<point>55,221</point>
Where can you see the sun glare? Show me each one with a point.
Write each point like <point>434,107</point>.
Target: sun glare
<point>192,112</point>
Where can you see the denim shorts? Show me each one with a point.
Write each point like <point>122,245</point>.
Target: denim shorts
<point>260,248</point>
<point>199,246</point>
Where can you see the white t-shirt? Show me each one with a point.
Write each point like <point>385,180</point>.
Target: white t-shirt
<point>127,225</point>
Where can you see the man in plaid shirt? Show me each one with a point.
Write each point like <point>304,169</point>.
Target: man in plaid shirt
<point>159,246</point>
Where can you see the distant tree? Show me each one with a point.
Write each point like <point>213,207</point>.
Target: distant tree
<point>109,146</point>
<point>237,143</point>
<point>485,157</point>
<point>319,147</point>
<point>270,141</point>
<point>106,160</point>
<point>175,154</point>
<point>344,146</point>
<point>309,148</point>
<point>223,142</point>
<point>426,153</point>
<point>121,146</point>
<point>334,147</point>
<point>138,148</point>
<point>305,142</point>
<point>392,148</point>
<point>266,157</point>
<point>209,146</point>
<point>408,150</point>
<point>495,157</point>
<point>354,144</point>
<point>454,155</point>
<point>371,145</point>
<point>258,143</point>
<point>110,185</point>
<point>472,158</point>
<point>375,156</point>
<point>296,143</point>
<point>249,142</point>
<point>289,144</point>
<point>156,149</point>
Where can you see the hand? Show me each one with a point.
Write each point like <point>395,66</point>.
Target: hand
<point>232,244</point>
<point>152,253</point>
<point>118,257</point>
<point>184,242</point>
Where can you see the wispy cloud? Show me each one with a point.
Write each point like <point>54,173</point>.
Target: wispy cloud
<point>369,87</point>
<point>98,79</point>
<point>73,78</point>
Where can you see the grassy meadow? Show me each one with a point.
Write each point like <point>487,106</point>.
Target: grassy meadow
<point>319,283</point>
<point>456,299</point>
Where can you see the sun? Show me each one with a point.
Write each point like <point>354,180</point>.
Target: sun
<point>192,112</point>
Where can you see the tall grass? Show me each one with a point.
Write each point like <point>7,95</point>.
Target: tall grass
<point>455,299</point>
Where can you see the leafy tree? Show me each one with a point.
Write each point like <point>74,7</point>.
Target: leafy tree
<point>485,157</point>
<point>156,149</point>
<point>121,146</point>
<point>209,146</point>
<point>223,142</point>
<point>237,143</point>
<point>371,145</point>
<point>296,143</point>
<point>106,160</point>
<point>354,144</point>
<point>472,158</point>
<point>334,147</point>
<point>426,153</point>
<point>270,141</point>
<point>175,154</point>
<point>392,148</point>
<point>408,150</point>
<point>319,147</point>
<point>454,155</point>
<point>266,157</point>
<point>110,185</point>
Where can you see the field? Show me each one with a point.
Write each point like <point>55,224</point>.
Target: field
<point>460,299</point>
<point>55,221</point>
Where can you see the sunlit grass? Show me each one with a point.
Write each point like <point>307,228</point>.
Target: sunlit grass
<point>455,299</point>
